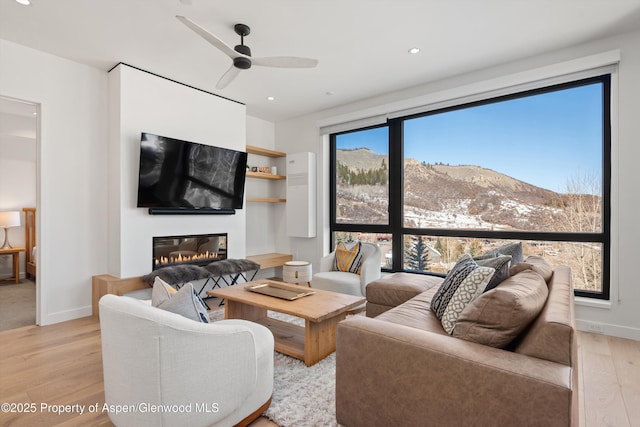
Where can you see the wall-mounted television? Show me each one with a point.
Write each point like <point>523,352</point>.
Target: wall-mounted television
<point>178,176</point>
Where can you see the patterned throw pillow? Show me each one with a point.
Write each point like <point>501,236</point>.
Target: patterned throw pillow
<point>464,283</point>
<point>349,260</point>
<point>451,282</point>
<point>471,287</point>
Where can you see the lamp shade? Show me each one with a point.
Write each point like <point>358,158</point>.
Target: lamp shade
<point>10,219</point>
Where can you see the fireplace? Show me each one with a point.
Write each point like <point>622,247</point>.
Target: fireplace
<point>197,249</point>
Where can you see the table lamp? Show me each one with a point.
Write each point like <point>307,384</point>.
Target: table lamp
<point>9,219</point>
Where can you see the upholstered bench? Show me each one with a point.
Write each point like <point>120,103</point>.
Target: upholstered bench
<point>394,289</point>
<point>234,269</point>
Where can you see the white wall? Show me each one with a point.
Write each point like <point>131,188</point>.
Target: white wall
<point>263,219</point>
<point>72,150</point>
<point>617,317</point>
<point>142,102</point>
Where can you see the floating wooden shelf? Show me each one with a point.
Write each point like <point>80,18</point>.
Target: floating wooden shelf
<point>271,259</point>
<point>266,199</point>
<point>261,175</point>
<point>265,152</point>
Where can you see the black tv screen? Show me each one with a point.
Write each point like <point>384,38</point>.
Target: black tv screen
<point>179,174</point>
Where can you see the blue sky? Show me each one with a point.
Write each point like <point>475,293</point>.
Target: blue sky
<point>544,140</point>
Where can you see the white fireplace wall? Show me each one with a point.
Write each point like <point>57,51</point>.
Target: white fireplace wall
<point>143,102</point>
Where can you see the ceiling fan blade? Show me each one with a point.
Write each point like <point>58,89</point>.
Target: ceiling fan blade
<point>227,77</point>
<point>228,50</point>
<point>285,62</point>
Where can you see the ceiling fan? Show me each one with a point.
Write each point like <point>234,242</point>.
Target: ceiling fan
<point>241,54</point>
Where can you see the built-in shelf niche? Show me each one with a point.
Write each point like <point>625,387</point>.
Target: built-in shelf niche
<point>259,151</point>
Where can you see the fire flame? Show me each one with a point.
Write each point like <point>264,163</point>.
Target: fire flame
<point>186,258</point>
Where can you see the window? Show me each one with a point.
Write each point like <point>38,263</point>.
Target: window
<point>362,177</point>
<point>532,167</point>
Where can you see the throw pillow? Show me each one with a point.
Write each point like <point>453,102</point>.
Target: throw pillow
<point>470,288</point>
<point>535,263</point>
<point>500,264</point>
<point>514,249</point>
<point>498,316</point>
<point>161,291</point>
<point>460,274</point>
<point>185,302</point>
<point>348,259</point>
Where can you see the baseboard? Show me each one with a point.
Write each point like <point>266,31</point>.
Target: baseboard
<point>63,316</point>
<point>608,329</point>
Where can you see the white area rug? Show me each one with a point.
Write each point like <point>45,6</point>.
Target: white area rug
<point>302,396</point>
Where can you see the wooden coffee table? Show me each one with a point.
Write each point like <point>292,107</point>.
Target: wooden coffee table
<point>321,312</point>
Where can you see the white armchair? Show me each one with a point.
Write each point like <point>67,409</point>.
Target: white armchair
<point>345,282</point>
<point>207,374</point>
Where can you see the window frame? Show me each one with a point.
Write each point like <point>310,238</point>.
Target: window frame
<point>396,228</point>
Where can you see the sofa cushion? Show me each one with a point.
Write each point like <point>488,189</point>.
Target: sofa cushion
<point>535,263</point>
<point>348,259</point>
<point>394,289</point>
<point>416,313</point>
<point>501,264</point>
<point>498,316</point>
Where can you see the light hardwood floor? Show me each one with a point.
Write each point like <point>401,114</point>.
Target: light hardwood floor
<point>61,364</point>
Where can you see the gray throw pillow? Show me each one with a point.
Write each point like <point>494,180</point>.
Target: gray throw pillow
<point>501,264</point>
<point>184,302</point>
<point>514,249</point>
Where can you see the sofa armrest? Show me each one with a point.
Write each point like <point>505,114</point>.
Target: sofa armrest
<point>391,374</point>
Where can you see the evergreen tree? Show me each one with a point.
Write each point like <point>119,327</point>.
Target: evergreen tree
<point>418,254</point>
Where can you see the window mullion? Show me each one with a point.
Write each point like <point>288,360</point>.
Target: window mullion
<point>396,192</point>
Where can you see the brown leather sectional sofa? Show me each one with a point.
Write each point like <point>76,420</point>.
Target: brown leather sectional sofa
<point>398,367</point>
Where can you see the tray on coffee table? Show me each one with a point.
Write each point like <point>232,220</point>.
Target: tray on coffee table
<point>280,290</point>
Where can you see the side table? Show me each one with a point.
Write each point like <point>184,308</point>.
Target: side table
<point>16,262</point>
<point>297,272</point>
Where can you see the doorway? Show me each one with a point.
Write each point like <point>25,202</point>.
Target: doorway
<point>18,190</point>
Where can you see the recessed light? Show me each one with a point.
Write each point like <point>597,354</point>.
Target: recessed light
<point>24,2</point>
<point>271,98</point>
<point>329,93</point>
<point>414,50</point>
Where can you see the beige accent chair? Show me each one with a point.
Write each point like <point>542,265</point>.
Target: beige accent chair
<point>345,282</point>
<point>208,374</point>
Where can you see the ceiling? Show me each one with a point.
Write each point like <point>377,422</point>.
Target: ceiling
<point>361,45</point>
